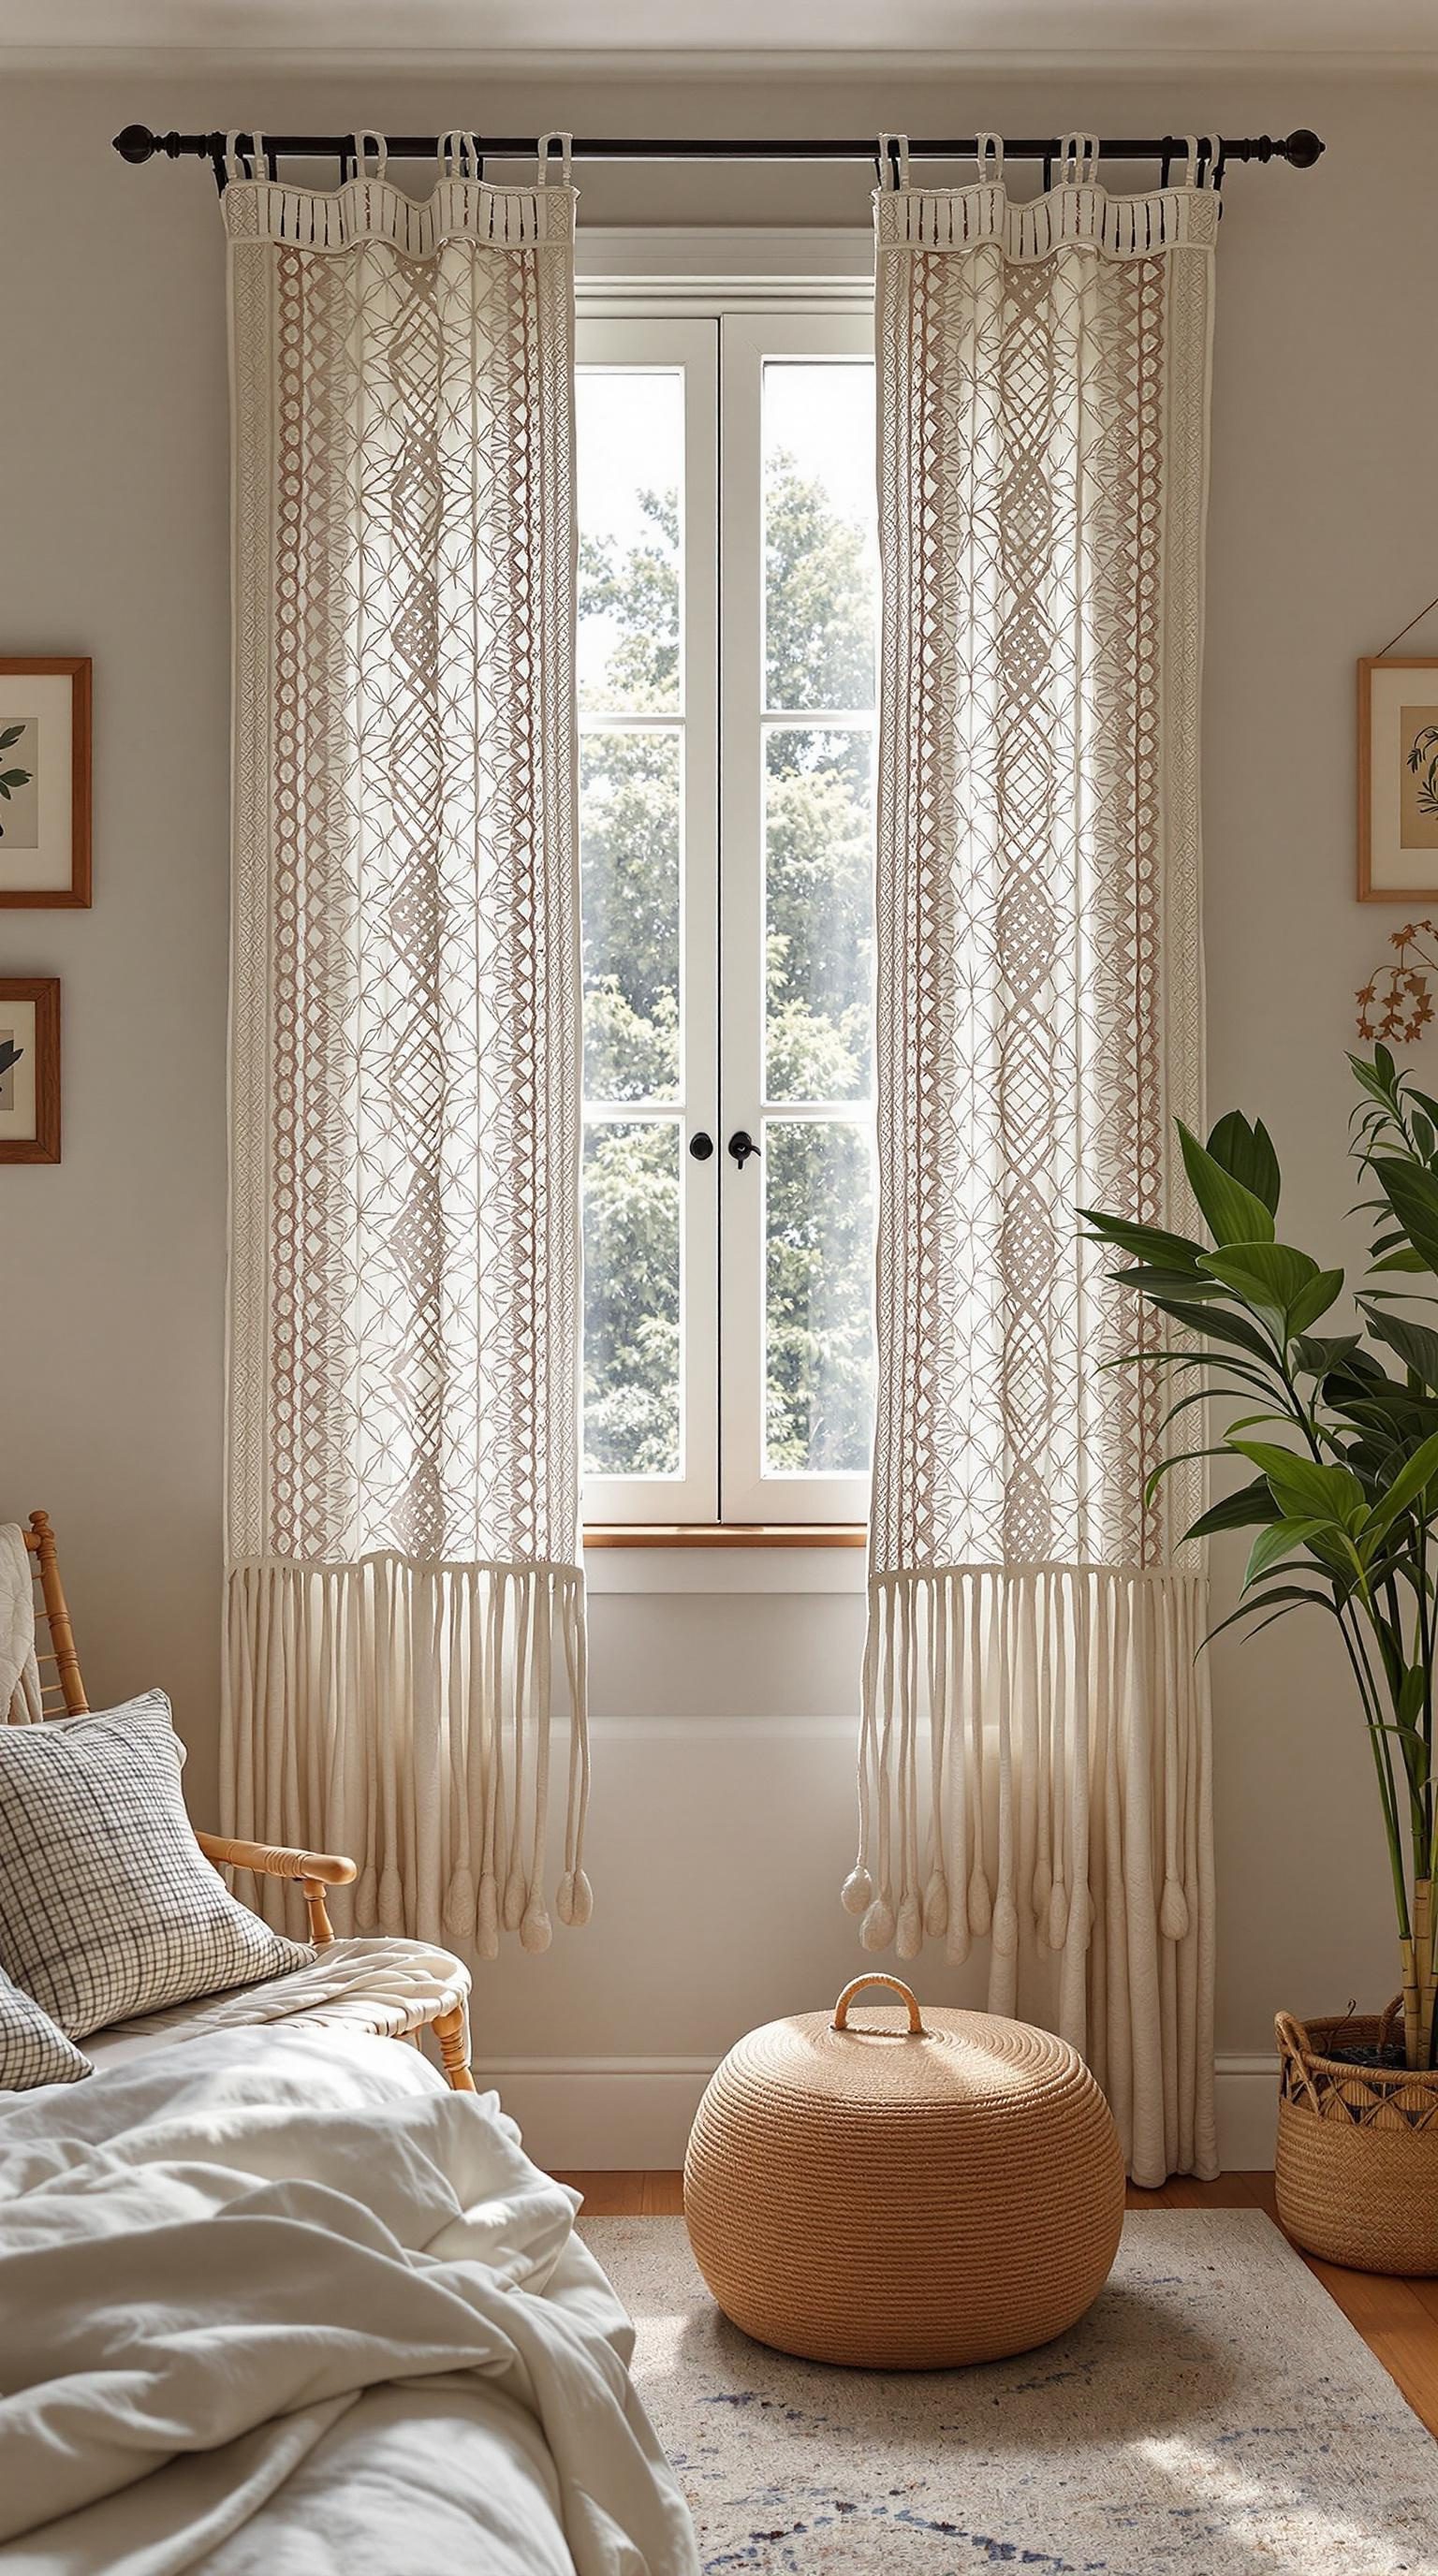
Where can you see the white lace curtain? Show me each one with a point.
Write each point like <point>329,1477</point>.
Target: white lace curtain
<point>405,1608</point>
<point>1034,1764</point>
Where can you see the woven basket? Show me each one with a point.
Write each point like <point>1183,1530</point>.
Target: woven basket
<point>1356,2170</point>
<point>903,2191</point>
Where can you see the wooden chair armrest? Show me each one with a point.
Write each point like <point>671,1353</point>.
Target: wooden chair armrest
<point>315,1871</point>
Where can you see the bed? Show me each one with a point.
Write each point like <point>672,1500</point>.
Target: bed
<point>279,2301</point>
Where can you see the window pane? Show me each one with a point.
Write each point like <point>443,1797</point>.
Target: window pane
<point>818,1230</point>
<point>631,1298</point>
<point>819,914</point>
<point>630,443</point>
<point>820,543</point>
<point>630,786</point>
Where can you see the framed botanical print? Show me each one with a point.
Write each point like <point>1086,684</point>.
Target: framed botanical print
<point>44,782</point>
<point>29,1069</point>
<point>1398,781</point>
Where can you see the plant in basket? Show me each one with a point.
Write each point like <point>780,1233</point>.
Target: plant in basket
<point>1339,1433</point>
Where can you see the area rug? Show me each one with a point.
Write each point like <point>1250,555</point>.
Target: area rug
<point>1214,2415</point>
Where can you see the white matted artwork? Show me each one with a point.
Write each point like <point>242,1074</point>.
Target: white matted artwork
<point>1398,781</point>
<point>29,1069</point>
<point>44,782</point>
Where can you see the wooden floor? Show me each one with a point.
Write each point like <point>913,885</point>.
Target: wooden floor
<point>1398,2320</point>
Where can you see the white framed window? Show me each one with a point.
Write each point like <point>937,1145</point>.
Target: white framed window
<point>728,597</point>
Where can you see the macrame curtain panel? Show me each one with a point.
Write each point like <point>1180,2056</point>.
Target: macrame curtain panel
<point>1034,1766</point>
<point>405,1611</point>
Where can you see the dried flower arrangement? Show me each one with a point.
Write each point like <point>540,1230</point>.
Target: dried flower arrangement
<point>1396,1002</point>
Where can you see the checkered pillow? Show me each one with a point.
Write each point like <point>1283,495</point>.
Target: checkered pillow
<point>32,2050</point>
<point>107,1905</point>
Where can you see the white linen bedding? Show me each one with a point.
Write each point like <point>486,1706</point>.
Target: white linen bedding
<point>374,1983</point>
<point>278,2300</point>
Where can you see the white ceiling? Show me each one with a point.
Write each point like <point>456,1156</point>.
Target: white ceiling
<point>400,30</point>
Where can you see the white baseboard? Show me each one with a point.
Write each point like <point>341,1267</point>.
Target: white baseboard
<point>1245,2098</point>
<point>599,2114</point>
<point>596,2114</point>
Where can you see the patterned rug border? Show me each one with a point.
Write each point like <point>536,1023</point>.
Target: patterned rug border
<point>1214,2415</point>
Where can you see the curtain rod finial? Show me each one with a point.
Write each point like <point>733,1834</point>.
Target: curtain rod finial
<point>1303,148</point>
<point>137,144</point>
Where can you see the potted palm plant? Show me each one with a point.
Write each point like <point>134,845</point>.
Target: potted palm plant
<point>1338,1433</point>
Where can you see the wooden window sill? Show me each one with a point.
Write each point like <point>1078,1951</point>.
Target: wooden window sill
<point>725,1534</point>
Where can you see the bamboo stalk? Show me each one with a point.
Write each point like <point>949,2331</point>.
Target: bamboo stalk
<point>1407,1950</point>
<point>1423,1933</point>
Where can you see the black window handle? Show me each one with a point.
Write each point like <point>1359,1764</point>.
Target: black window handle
<point>741,1146</point>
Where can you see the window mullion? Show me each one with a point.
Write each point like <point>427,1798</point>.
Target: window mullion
<point>663,1170</point>
<point>815,1152</point>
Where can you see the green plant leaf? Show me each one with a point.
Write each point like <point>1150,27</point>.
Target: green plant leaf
<point>1414,1750</point>
<point>1373,1078</point>
<point>1211,1321</point>
<point>1219,1392</point>
<point>1246,1154</point>
<point>1290,1592</point>
<point>1410,1481</point>
<point>1406,1260</point>
<point>1315,1300</point>
<point>1305,1488</point>
<point>1144,1242</point>
<point>1163,1283</point>
<point>1232,1213</point>
<point>1240,1510</point>
<point>1412,1194</point>
<point>1315,1357</point>
<point>1276,1279</point>
<point>10,734</point>
<point>1211,1395</point>
<point>1275,1615</point>
<point>1415,1344</point>
<point>1276,1541</point>
<point>1275,1270</point>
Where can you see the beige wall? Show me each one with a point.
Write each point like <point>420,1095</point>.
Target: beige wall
<point>722,1800</point>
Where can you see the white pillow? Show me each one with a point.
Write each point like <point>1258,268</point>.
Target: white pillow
<point>32,2050</point>
<point>108,1907</point>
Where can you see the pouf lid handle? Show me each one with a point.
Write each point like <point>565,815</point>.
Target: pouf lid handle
<point>841,2008</point>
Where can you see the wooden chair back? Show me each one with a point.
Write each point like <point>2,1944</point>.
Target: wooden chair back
<point>62,1694</point>
<point>62,1691</point>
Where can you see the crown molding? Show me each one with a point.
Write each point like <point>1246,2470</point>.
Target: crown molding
<point>271,64</point>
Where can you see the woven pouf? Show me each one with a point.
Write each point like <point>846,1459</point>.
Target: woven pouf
<point>903,2191</point>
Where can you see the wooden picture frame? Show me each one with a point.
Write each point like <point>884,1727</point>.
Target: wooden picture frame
<point>45,757</point>
<point>29,1069</point>
<point>1398,780</point>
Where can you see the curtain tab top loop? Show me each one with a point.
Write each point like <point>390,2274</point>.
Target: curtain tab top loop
<point>244,165</point>
<point>1203,158</point>
<point>566,156</point>
<point>369,145</point>
<point>893,161</point>
<point>991,159</point>
<point>459,155</point>
<point>1078,161</point>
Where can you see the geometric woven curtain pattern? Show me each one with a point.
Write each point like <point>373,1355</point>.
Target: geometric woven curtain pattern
<point>405,1603</point>
<point>1034,1757</point>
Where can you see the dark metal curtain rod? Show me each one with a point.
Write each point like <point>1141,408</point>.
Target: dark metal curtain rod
<point>1300,149</point>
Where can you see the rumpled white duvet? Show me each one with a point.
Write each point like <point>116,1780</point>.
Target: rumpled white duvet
<point>279,2301</point>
